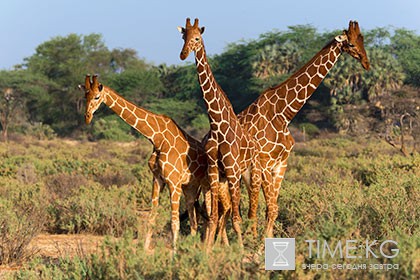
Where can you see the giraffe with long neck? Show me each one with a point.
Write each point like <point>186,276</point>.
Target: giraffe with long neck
<point>267,118</point>
<point>229,149</point>
<point>178,160</point>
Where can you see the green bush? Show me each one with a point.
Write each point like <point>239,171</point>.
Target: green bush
<point>93,209</point>
<point>111,128</point>
<point>22,218</point>
<point>309,129</point>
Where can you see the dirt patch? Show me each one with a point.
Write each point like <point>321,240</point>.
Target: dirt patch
<point>58,246</point>
<point>61,245</point>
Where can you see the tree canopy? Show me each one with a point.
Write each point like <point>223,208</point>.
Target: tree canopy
<point>43,89</point>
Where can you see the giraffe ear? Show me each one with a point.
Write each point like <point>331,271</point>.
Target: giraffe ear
<point>181,29</point>
<point>82,87</point>
<point>100,87</point>
<point>202,30</point>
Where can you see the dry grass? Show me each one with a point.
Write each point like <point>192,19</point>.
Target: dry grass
<point>335,189</point>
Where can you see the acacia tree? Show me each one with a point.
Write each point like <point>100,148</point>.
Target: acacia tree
<point>64,60</point>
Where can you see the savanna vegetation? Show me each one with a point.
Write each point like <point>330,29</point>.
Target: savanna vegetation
<point>354,174</point>
<point>337,188</point>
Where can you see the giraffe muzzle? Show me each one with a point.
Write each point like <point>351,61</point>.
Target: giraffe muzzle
<point>88,118</point>
<point>184,54</point>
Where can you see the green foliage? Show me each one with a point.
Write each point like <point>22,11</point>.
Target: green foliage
<point>111,128</point>
<point>137,85</point>
<point>64,61</point>
<point>309,129</point>
<point>200,126</point>
<point>93,209</point>
<point>22,218</point>
<point>180,111</point>
<point>180,82</point>
<point>335,189</point>
<point>45,85</point>
<point>405,45</point>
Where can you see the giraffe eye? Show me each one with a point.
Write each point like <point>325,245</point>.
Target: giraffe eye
<point>197,39</point>
<point>351,45</point>
<point>97,97</point>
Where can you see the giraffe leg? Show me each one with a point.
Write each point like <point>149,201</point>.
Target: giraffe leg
<point>190,198</point>
<point>211,148</point>
<point>236,215</point>
<point>277,178</point>
<point>253,192</point>
<point>225,206</point>
<point>271,202</point>
<point>157,187</point>
<point>233,176</point>
<point>206,207</point>
<point>175,193</point>
<point>214,216</point>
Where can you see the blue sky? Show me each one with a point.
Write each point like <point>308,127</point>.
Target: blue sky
<point>150,26</point>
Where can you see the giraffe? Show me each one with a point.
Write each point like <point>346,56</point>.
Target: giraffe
<point>268,117</point>
<point>229,149</point>
<point>178,160</point>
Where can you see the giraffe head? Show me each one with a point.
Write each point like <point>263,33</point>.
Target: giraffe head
<point>353,44</point>
<point>94,96</point>
<point>192,38</point>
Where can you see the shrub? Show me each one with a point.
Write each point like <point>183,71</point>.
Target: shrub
<point>309,129</point>
<point>22,218</point>
<point>111,128</point>
<point>96,210</point>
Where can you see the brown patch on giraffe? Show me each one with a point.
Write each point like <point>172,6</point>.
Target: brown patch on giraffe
<point>317,61</point>
<point>291,95</point>
<point>297,104</point>
<point>303,79</point>
<point>230,134</point>
<point>311,71</point>
<point>316,80</point>
<point>292,83</point>
<point>302,94</point>
<point>324,59</point>
<point>323,70</point>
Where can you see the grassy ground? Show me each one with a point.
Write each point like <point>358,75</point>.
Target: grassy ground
<point>335,189</point>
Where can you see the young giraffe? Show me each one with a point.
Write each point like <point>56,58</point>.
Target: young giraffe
<point>229,149</point>
<point>178,160</point>
<point>268,117</point>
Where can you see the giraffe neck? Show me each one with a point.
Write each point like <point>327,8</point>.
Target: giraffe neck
<point>214,97</point>
<point>292,94</point>
<point>140,119</point>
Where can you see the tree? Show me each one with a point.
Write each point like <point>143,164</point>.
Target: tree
<point>405,45</point>
<point>21,89</point>
<point>348,84</point>
<point>274,63</point>
<point>64,61</point>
